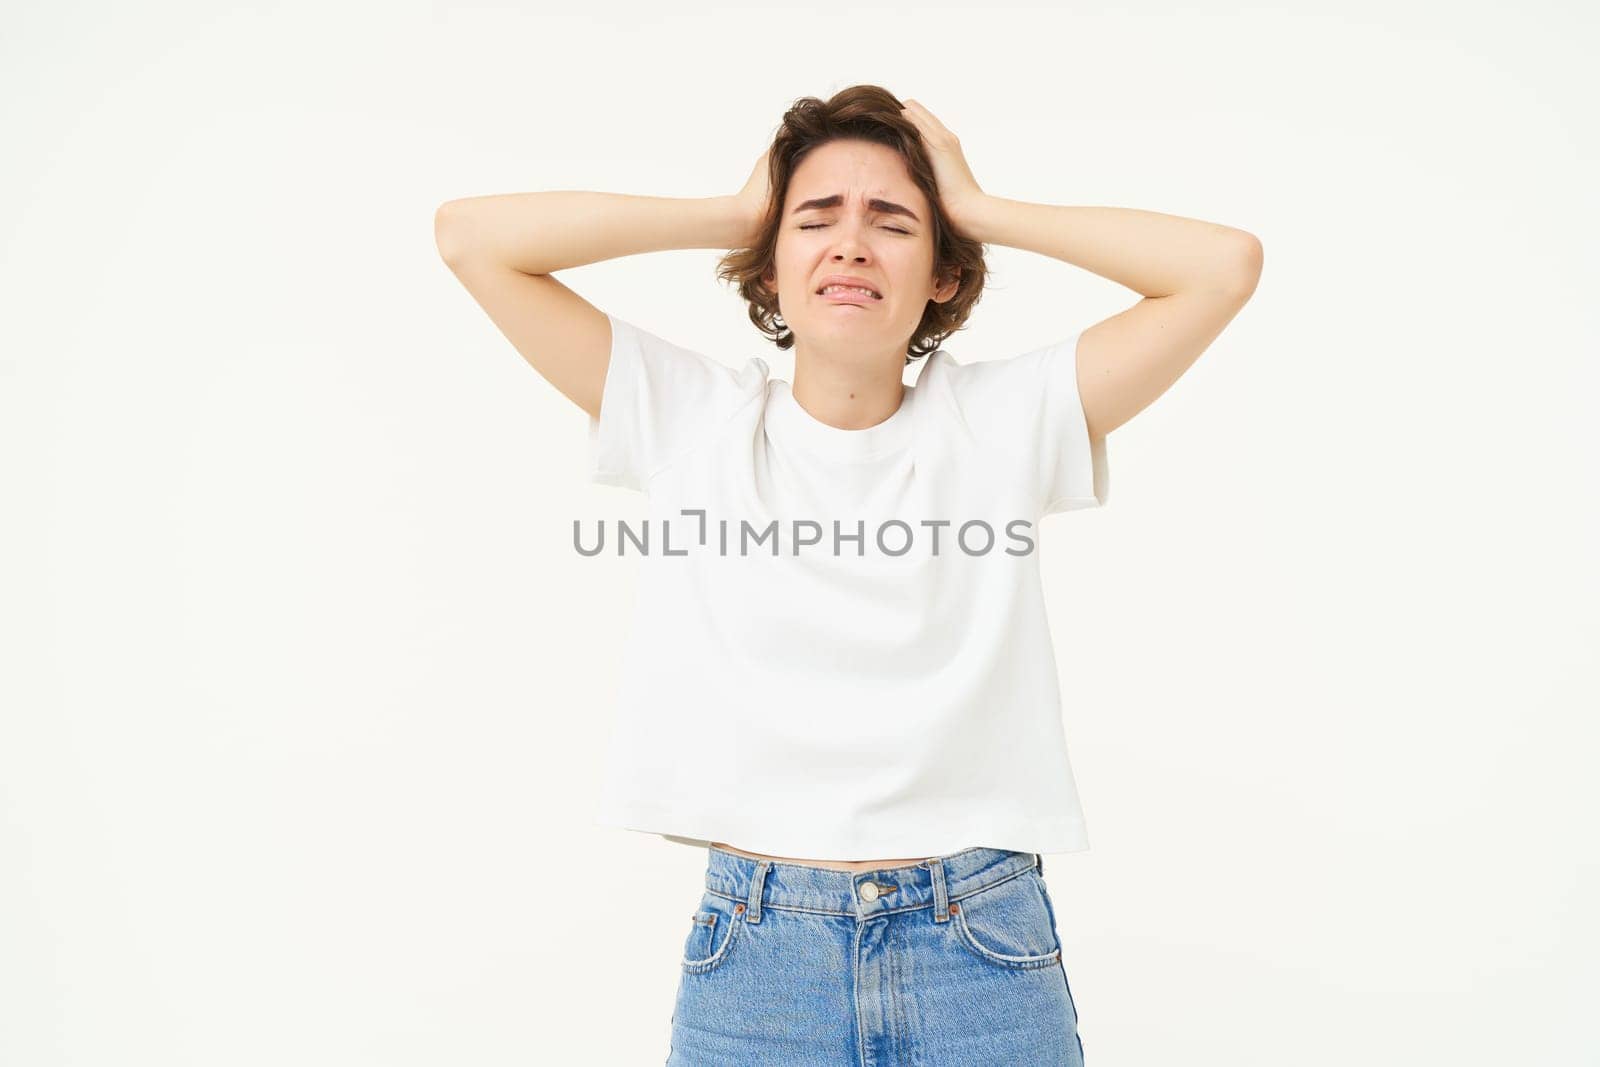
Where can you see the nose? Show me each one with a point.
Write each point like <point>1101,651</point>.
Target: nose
<point>850,247</point>
<point>849,243</point>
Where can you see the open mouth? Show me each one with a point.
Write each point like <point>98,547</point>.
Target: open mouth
<point>849,294</point>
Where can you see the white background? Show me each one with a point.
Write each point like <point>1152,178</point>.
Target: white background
<point>305,687</point>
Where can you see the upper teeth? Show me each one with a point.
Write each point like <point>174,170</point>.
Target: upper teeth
<point>851,288</point>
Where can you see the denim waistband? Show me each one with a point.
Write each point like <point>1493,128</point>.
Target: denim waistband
<point>932,884</point>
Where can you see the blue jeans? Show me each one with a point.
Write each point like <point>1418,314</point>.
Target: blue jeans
<point>952,961</point>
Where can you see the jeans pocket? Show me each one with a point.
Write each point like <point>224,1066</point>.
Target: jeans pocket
<point>1009,924</point>
<point>715,929</point>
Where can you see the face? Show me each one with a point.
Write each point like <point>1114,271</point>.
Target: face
<point>873,224</point>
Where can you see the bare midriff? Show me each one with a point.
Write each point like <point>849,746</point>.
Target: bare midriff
<point>832,865</point>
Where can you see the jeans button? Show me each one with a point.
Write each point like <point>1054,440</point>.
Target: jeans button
<point>869,891</point>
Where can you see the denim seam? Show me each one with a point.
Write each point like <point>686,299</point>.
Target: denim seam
<point>855,991</point>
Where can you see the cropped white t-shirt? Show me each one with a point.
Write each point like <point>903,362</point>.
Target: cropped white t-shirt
<point>839,648</point>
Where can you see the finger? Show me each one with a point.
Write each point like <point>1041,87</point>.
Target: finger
<point>920,117</point>
<point>932,119</point>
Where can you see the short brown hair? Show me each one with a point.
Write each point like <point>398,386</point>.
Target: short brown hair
<point>863,113</point>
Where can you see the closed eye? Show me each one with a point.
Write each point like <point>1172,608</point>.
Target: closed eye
<point>819,225</point>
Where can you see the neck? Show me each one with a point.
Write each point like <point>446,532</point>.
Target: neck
<point>848,395</point>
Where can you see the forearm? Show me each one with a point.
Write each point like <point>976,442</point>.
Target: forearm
<point>543,232</point>
<point>1150,253</point>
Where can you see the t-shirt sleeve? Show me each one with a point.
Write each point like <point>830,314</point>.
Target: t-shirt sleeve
<point>659,400</point>
<point>1031,406</point>
<point>1073,467</point>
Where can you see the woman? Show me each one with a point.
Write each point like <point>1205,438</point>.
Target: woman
<point>840,679</point>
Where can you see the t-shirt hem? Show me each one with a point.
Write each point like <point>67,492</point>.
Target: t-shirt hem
<point>804,841</point>
<point>1073,503</point>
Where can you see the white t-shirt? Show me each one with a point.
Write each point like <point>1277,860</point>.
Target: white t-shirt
<point>889,693</point>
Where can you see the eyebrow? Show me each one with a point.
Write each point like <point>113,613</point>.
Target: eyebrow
<point>883,207</point>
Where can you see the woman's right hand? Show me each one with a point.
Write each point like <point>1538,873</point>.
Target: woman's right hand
<point>752,199</point>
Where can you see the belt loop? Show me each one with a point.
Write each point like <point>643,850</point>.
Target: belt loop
<point>941,902</point>
<point>757,882</point>
<point>1039,861</point>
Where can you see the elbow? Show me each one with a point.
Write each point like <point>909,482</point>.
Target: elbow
<point>1245,265</point>
<point>447,231</point>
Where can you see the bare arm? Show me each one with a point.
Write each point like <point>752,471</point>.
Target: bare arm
<point>503,249</point>
<point>1196,276</point>
<point>543,232</point>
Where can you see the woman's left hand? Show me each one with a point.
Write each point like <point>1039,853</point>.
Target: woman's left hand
<point>958,189</point>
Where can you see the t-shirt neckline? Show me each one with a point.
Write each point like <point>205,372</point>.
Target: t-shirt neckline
<point>794,423</point>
